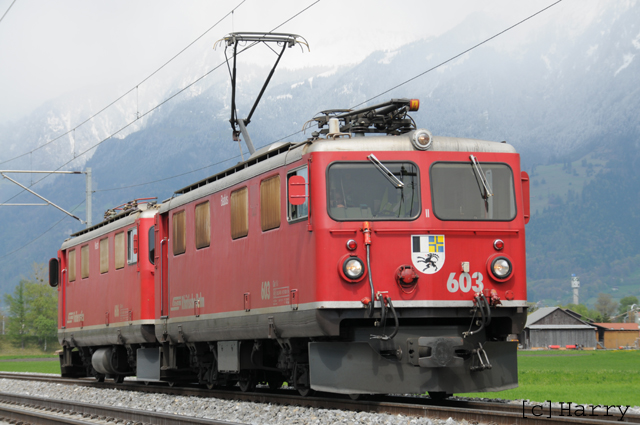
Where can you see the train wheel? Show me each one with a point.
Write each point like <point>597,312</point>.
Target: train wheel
<point>301,380</point>
<point>439,395</point>
<point>100,377</point>
<point>357,396</point>
<point>305,392</point>
<point>210,385</point>
<point>118,379</point>
<point>171,383</point>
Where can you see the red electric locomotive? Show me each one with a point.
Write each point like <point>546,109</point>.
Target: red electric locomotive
<point>106,301</point>
<point>346,263</point>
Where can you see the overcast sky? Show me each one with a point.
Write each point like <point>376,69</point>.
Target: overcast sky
<point>48,48</point>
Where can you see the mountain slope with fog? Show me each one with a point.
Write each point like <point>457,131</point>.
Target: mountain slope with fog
<point>557,97</point>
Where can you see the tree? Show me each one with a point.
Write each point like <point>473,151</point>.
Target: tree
<point>584,312</point>
<point>17,313</point>
<point>33,308</point>
<point>625,305</point>
<point>605,306</point>
<point>42,311</point>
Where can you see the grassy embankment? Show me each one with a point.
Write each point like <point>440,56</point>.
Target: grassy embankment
<point>595,377</point>
<point>9,352</point>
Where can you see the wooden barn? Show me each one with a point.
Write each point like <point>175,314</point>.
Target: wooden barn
<point>616,335</point>
<point>554,326</point>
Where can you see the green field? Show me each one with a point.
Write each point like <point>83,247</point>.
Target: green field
<point>595,377</point>
<point>52,366</point>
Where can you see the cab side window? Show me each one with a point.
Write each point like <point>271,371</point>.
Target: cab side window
<point>152,244</point>
<point>295,212</point>
<point>132,249</point>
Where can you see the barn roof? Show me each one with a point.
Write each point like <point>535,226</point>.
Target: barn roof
<point>538,316</point>
<point>618,326</point>
<point>541,327</point>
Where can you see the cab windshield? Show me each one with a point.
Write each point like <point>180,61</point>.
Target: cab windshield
<point>459,194</point>
<point>359,190</point>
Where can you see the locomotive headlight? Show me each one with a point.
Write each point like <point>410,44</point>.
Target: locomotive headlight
<point>353,267</point>
<point>501,267</point>
<point>421,139</point>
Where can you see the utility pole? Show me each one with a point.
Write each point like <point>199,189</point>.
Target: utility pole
<point>89,191</point>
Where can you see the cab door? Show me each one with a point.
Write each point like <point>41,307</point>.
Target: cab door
<point>162,262</point>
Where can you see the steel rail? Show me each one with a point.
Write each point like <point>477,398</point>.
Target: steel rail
<point>47,411</point>
<point>478,411</point>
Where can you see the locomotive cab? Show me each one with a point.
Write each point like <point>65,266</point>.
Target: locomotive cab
<point>430,276</point>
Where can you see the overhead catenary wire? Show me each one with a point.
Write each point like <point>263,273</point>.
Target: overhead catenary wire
<point>43,233</point>
<point>7,11</point>
<point>168,178</point>
<point>374,97</point>
<point>127,92</point>
<point>157,106</point>
<point>130,123</point>
<point>290,135</point>
<point>438,65</point>
<point>457,56</point>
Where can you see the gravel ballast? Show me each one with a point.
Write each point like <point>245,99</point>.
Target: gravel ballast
<point>224,410</point>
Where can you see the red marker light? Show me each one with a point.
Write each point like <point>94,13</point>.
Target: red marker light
<point>498,244</point>
<point>351,245</point>
<point>414,105</point>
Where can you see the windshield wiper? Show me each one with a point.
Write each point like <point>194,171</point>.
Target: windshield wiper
<point>385,171</point>
<point>476,167</point>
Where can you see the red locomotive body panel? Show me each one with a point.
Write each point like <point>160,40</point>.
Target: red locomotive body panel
<point>466,241</point>
<point>293,258</point>
<point>244,276</point>
<point>108,294</point>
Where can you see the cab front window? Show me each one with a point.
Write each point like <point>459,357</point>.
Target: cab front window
<point>459,193</point>
<point>360,190</point>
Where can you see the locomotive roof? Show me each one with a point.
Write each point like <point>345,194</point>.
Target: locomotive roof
<point>114,223</point>
<point>278,155</point>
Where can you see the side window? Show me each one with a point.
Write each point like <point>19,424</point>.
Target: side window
<point>132,246</point>
<point>84,259</point>
<point>295,212</point>
<point>119,250</point>
<point>71,266</point>
<point>240,213</point>
<point>104,255</point>
<point>203,225</point>
<point>152,244</point>
<point>270,203</point>
<point>179,234</point>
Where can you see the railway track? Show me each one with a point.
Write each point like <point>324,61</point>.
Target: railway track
<point>471,411</point>
<point>36,410</point>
